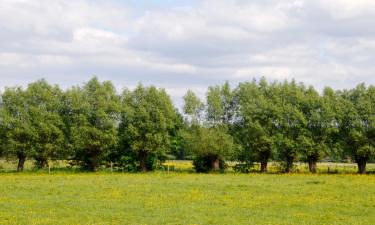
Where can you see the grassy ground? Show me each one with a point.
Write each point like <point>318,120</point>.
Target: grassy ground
<point>67,196</point>
<point>182,198</point>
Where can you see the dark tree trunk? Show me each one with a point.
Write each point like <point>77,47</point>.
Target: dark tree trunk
<point>312,165</point>
<point>142,162</point>
<point>264,156</point>
<point>361,166</point>
<point>21,162</point>
<point>92,166</point>
<point>263,167</point>
<point>92,163</point>
<point>215,164</point>
<point>42,163</point>
<point>289,165</point>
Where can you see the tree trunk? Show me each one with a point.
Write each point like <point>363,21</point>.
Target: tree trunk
<point>92,163</point>
<point>21,162</point>
<point>264,156</point>
<point>289,165</point>
<point>142,162</point>
<point>42,163</point>
<point>92,166</point>
<point>215,164</point>
<point>263,167</point>
<point>361,166</point>
<point>312,165</point>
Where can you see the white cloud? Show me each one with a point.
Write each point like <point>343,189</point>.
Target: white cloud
<point>320,42</point>
<point>346,9</point>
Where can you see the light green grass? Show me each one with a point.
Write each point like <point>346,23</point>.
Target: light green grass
<point>181,198</point>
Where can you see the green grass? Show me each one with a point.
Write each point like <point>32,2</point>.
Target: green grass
<point>182,198</point>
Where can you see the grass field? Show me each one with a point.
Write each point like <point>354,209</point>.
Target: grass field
<point>182,198</point>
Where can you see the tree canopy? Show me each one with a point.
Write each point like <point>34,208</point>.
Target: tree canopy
<point>256,122</point>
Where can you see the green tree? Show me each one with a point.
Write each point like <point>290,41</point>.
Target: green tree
<point>208,138</point>
<point>147,122</point>
<point>290,122</point>
<point>2,127</point>
<point>210,145</point>
<point>314,135</point>
<point>91,115</point>
<point>18,132</point>
<point>43,102</point>
<point>193,107</point>
<point>332,105</point>
<point>177,148</point>
<point>357,124</point>
<point>254,127</point>
<point>220,104</point>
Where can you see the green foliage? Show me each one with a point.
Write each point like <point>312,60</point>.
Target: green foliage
<point>177,149</point>
<point>245,167</point>
<point>357,124</point>
<point>209,139</point>
<point>147,123</point>
<point>256,122</point>
<point>203,164</point>
<point>332,104</point>
<point>193,107</point>
<point>220,104</point>
<point>289,122</point>
<point>31,123</point>
<point>43,103</point>
<point>209,145</point>
<point>18,132</point>
<point>91,114</point>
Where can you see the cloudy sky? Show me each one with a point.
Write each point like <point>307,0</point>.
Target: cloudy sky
<point>187,44</point>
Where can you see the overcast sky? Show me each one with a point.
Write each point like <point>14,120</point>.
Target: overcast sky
<point>187,44</point>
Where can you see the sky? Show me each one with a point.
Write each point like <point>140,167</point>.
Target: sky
<point>181,45</point>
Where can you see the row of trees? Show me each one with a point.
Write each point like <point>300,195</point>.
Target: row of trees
<point>285,122</point>
<point>258,121</point>
<point>87,125</point>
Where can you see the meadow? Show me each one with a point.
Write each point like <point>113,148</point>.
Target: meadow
<point>185,198</point>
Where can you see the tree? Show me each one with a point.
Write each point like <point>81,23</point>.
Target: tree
<point>43,102</point>
<point>357,124</point>
<point>289,123</point>
<point>333,109</point>
<point>177,148</point>
<point>210,145</point>
<point>147,122</point>
<point>220,104</point>
<point>2,127</point>
<point>193,107</point>
<point>91,114</point>
<point>209,138</point>
<point>254,126</point>
<point>312,141</point>
<point>18,132</point>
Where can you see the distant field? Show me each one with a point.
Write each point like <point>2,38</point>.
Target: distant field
<point>183,198</point>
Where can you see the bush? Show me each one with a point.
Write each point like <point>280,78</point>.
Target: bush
<point>243,167</point>
<point>202,164</point>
